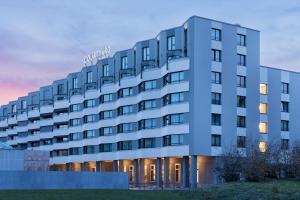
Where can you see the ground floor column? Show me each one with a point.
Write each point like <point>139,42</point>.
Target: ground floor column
<point>185,172</point>
<point>98,166</point>
<point>158,172</point>
<point>141,172</point>
<point>135,172</point>
<point>115,166</point>
<point>166,172</point>
<point>68,166</point>
<point>193,171</point>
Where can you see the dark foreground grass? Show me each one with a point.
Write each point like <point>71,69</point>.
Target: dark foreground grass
<point>283,189</point>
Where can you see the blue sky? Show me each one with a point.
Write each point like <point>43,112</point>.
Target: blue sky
<point>41,41</point>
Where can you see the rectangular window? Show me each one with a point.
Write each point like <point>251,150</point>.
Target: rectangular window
<point>147,104</point>
<point>75,83</point>
<point>105,147</point>
<point>75,108</point>
<point>126,128</point>
<point>14,108</point>
<point>146,53</point>
<point>90,103</point>
<point>89,77</point>
<point>216,77</point>
<point>284,88</point>
<point>146,143</point>
<point>263,88</point>
<point>148,123</point>
<point>60,89</point>
<point>241,101</point>
<point>174,119</point>
<point>175,98</point>
<point>124,145</point>
<point>216,140</point>
<point>107,131</point>
<point>126,92</point>
<point>107,98</point>
<point>216,119</point>
<point>216,98</point>
<point>216,34</point>
<point>125,110</point>
<point>284,144</point>
<point>241,60</point>
<point>124,62</point>
<point>284,106</point>
<point>176,77</point>
<point>263,108</point>
<point>75,122</point>
<point>105,70</point>
<point>171,43</point>
<point>107,114</point>
<point>241,121</point>
<point>262,147</point>
<point>90,118</point>
<point>241,40</point>
<point>89,134</point>
<point>241,141</point>
<point>74,136</point>
<point>148,85</point>
<point>241,81</point>
<point>173,140</point>
<point>23,104</point>
<point>263,127</point>
<point>284,125</point>
<point>216,55</point>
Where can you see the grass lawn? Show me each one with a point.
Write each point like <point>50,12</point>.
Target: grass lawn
<point>283,189</point>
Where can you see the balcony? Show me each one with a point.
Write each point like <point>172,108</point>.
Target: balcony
<point>60,97</point>
<point>12,119</point>
<point>107,79</point>
<point>46,122</point>
<point>75,91</point>
<point>61,104</point>
<point>127,72</point>
<point>33,111</point>
<point>90,86</point>
<point>63,117</point>
<point>148,64</point>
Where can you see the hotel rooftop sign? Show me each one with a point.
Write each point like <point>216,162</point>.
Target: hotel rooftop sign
<point>97,55</point>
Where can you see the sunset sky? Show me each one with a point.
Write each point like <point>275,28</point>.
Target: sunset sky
<point>41,41</point>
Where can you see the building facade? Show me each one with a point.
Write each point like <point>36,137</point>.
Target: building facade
<point>164,110</point>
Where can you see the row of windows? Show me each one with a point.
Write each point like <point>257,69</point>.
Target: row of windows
<point>263,107</point>
<point>216,56</point>
<point>216,34</point>
<point>263,126</point>
<point>216,78</point>
<point>216,120</point>
<point>263,88</point>
<point>216,99</point>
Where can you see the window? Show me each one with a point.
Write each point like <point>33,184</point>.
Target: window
<point>174,119</point>
<point>74,136</point>
<point>89,77</point>
<point>105,70</point>
<point>147,104</point>
<point>146,53</point>
<point>152,172</point>
<point>105,147</point>
<point>176,77</point>
<point>216,119</point>
<point>14,108</point>
<point>124,145</point>
<point>284,144</point>
<point>241,141</point>
<point>90,103</point>
<point>146,143</point>
<point>216,98</point>
<point>241,40</point>
<point>60,89</point>
<point>171,43</point>
<point>148,85</point>
<point>241,101</point>
<point>173,98</point>
<point>263,127</point>
<point>125,128</point>
<point>90,118</point>
<point>107,114</point>
<point>75,122</point>
<point>126,92</point>
<point>107,131</point>
<point>216,140</point>
<point>241,60</point>
<point>284,106</point>
<point>263,88</point>
<point>125,110</point>
<point>89,134</point>
<point>23,104</point>
<point>88,149</point>
<point>107,98</point>
<point>148,123</point>
<point>124,62</point>
<point>216,34</point>
<point>216,55</point>
<point>216,77</point>
<point>241,81</point>
<point>241,121</point>
<point>262,147</point>
<point>173,140</point>
<point>75,107</point>
<point>75,83</point>
<point>284,88</point>
<point>284,125</point>
<point>263,108</point>
<point>74,151</point>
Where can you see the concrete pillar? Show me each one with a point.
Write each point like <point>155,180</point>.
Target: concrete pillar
<point>141,172</point>
<point>135,172</point>
<point>68,166</point>
<point>158,172</point>
<point>121,166</point>
<point>185,172</point>
<point>115,166</point>
<point>193,172</point>
<point>82,167</point>
<point>98,166</point>
<point>166,172</point>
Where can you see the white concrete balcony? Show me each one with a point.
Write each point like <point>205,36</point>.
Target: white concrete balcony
<point>33,113</point>
<point>11,131</point>
<point>46,109</point>
<point>22,117</point>
<point>61,104</point>
<point>3,123</point>
<point>21,129</point>
<point>12,120</point>
<point>12,142</point>
<point>64,117</point>
<point>46,122</point>
<point>34,125</point>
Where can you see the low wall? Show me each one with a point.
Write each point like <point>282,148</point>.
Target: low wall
<point>62,180</point>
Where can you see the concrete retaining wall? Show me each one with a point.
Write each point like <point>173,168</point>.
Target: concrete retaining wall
<point>62,180</point>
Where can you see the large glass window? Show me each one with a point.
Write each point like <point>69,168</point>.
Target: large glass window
<point>173,140</point>
<point>216,119</point>
<point>107,131</point>
<point>216,34</point>
<point>241,101</point>
<point>241,81</point>
<point>124,62</point>
<point>284,88</point>
<point>75,122</point>
<point>146,53</point>
<point>263,108</point>
<point>215,140</point>
<point>107,98</point>
<point>125,110</point>
<point>171,43</point>
<point>105,147</point>
<point>126,92</point>
<point>284,106</point>
<point>216,77</point>
<point>90,118</point>
<point>241,60</point>
<point>23,104</point>
<point>107,114</point>
<point>146,143</point>
<point>75,83</point>
<point>241,121</point>
<point>176,77</point>
<point>216,98</point>
<point>105,70</point>
<point>241,141</point>
<point>284,125</point>
<point>147,104</point>
<point>148,85</point>
<point>124,145</point>
<point>263,88</point>
<point>284,144</point>
<point>75,107</point>
<point>262,147</point>
<point>89,134</point>
<point>89,77</point>
<point>90,103</point>
<point>263,127</point>
<point>216,55</point>
<point>126,128</point>
<point>60,89</point>
<point>241,40</point>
